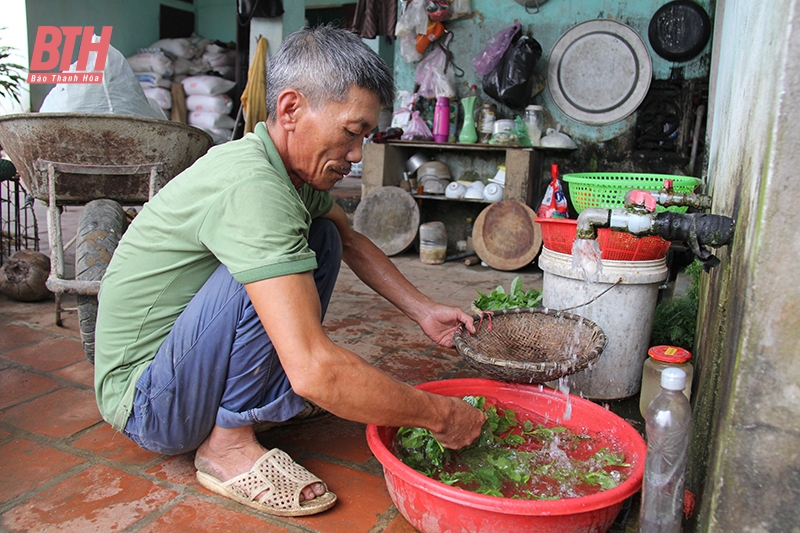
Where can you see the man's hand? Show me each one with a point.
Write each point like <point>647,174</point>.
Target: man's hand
<point>463,425</point>
<point>441,323</point>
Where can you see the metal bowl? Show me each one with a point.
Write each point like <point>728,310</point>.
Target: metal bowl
<point>416,161</point>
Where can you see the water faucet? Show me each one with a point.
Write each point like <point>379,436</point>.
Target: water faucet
<point>696,230</point>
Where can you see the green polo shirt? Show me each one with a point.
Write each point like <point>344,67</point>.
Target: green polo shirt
<point>235,206</point>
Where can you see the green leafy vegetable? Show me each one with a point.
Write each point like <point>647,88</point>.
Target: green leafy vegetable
<point>526,459</point>
<point>516,297</point>
<point>675,320</point>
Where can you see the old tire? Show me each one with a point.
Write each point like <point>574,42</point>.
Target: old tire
<point>100,228</point>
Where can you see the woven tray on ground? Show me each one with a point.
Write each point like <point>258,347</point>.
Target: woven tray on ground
<point>530,345</point>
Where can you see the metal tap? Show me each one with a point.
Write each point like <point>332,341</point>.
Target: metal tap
<point>696,230</point>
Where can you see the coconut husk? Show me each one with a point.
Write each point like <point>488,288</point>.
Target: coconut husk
<point>23,278</point>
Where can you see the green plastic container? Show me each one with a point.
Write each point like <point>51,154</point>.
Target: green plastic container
<point>607,190</point>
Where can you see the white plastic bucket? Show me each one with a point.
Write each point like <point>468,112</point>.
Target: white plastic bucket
<point>625,313</point>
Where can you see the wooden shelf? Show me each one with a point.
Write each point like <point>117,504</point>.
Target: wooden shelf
<point>445,198</point>
<point>384,163</point>
<point>430,145</point>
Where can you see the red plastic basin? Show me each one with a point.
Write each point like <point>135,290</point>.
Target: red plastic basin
<point>558,234</point>
<point>433,507</point>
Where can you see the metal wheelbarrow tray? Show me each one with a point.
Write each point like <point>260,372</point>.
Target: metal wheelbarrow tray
<point>108,160</point>
<point>110,142</point>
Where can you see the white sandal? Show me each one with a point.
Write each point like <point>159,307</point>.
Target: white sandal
<point>280,479</point>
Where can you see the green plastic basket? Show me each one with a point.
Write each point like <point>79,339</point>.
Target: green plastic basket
<point>607,190</point>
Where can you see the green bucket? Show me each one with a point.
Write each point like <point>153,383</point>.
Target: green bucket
<point>607,190</point>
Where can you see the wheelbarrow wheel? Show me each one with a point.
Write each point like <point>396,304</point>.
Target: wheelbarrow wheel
<point>100,227</point>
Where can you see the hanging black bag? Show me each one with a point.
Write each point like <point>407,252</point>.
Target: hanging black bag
<point>511,81</point>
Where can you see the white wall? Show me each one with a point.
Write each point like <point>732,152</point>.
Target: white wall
<point>15,34</point>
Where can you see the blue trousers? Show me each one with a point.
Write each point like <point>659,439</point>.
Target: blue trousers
<point>218,365</point>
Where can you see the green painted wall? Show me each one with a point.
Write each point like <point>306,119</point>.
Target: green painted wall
<point>553,19</point>
<point>216,19</point>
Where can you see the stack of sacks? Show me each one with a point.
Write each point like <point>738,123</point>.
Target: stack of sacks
<point>221,60</point>
<point>154,69</point>
<point>173,60</point>
<point>208,106</point>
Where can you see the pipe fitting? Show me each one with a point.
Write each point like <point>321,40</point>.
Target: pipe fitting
<point>591,219</point>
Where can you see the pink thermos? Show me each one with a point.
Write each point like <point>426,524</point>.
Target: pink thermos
<point>441,120</point>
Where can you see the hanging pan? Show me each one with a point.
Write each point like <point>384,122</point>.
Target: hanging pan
<point>679,30</point>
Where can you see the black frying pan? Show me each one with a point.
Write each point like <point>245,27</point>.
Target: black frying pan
<point>679,30</point>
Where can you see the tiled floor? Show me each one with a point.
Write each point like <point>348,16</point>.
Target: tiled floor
<point>63,469</point>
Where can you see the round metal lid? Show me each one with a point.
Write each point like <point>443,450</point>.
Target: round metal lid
<point>599,72</point>
<point>389,217</point>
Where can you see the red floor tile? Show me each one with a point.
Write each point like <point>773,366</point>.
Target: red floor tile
<point>334,437</point>
<point>81,372</point>
<point>363,499</point>
<point>4,434</point>
<point>399,525</point>
<point>178,469</point>
<point>48,355</point>
<point>25,465</point>
<point>15,336</point>
<point>100,499</point>
<point>17,386</point>
<point>197,516</point>
<point>106,442</point>
<point>59,414</point>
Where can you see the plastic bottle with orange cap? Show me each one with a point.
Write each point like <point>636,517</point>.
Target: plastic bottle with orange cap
<point>659,359</point>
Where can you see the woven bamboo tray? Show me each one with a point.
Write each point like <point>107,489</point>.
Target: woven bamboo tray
<point>530,345</point>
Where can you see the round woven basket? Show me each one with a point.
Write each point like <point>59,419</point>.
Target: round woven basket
<point>530,345</point>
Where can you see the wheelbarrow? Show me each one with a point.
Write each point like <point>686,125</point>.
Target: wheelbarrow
<point>101,161</point>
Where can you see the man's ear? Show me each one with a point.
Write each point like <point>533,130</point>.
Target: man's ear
<point>291,105</point>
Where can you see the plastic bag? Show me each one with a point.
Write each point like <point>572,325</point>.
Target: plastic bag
<point>511,82</point>
<point>119,93</point>
<point>408,48</point>
<point>492,53</point>
<point>554,203</point>
<point>402,115</point>
<point>556,139</point>
<point>461,9</point>
<point>433,81</point>
<point>417,129</point>
<point>412,20</point>
<point>438,10</point>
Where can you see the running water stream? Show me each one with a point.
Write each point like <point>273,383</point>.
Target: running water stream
<point>586,260</point>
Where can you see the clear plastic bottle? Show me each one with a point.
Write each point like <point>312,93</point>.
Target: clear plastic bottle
<point>534,123</point>
<point>486,118</point>
<point>432,243</point>
<point>659,359</point>
<point>668,418</point>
